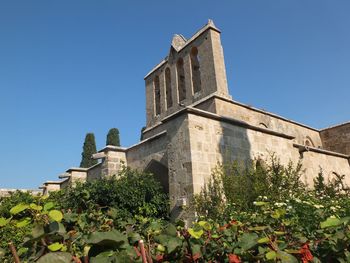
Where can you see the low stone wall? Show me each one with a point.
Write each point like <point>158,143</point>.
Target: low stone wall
<point>7,192</point>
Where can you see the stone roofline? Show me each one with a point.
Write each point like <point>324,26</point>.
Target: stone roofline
<point>16,189</point>
<point>336,126</point>
<point>265,112</point>
<point>52,182</point>
<point>218,96</point>
<point>214,116</point>
<point>209,25</point>
<point>112,148</point>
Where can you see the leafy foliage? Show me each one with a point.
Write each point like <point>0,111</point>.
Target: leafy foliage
<point>104,221</point>
<point>89,149</point>
<point>130,193</point>
<point>113,137</point>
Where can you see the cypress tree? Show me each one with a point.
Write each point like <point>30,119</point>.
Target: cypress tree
<point>113,137</point>
<point>141,135</point>
<point>89,149</point>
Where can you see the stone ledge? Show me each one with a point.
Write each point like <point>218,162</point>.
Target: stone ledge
<point>265,112</point>
<point>304,148</point>
<point>148,139</point>
<point>80,169</point>
<point>113,149</point>
<point>336,126</point>
<point>237,122</point>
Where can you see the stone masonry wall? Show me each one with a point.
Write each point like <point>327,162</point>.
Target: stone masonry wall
<point>172,150</point>
<point>337,138</point>
<point>214,142</point>
<point>257,118</point>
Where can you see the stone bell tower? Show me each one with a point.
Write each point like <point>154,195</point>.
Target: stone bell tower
<point>193,70</point>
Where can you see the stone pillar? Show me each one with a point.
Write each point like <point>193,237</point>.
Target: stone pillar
<point>75,174</point>
<point>113,160</point>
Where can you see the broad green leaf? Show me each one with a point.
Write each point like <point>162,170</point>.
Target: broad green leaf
<point>264,240</point>
<point>24,222</point>
<point>134,237</point>
<point>111,237</point>
<point>279,233</point>
<point>4,221</point>
<point>56,215</point>
<point>86,250</point>
<point>38,231</point>
<point>271,255</point>
<point>207,226</point>
<point>161,248</point>
<point>170,230</point>
<point>196,234</point>
<point>55,246</point>
<point>172,244</point>
<point>278,213</point>
<point>257,228</point>
<point>55,227</point>
<point>70,217</point>
<point>18,208</point>
<point>286,258</point>
<point>56,257</point>
<point>2,252</point>
<point>260,203</point>
<point>292,251</point>
<point>248,240</point>
<point>35,207</point>
<point>330,222</point>
<point>162,239</point>
<point>48,206</point>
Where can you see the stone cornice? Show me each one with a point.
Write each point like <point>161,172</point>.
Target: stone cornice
<point>304,148</point>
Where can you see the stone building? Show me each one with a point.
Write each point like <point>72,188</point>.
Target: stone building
<point>193,124</point>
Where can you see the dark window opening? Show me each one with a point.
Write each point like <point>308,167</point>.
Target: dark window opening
<point>169,99</point>
<point>196,73</point>
<point>157,94</point>
<point>181,79</point>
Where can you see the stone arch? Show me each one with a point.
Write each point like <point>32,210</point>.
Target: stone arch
<point>156,86</point>
<point>181,87</point>
<point>264,125</point>
<point>195,67</point>
<point>169,99</point>
<point>160,172</point>
<point>308,142</point>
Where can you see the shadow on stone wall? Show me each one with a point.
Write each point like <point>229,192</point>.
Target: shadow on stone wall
<point>234,144</point>
<point>160,172</point>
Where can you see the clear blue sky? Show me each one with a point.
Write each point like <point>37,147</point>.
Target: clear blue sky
<point>72,67</point>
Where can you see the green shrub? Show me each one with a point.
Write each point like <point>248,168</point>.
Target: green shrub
<point>241,184</point>
<point>129,192</point>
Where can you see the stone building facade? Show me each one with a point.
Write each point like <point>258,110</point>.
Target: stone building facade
<point>193,124</point>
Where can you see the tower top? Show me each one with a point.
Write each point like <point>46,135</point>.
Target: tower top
<point>193,69</point>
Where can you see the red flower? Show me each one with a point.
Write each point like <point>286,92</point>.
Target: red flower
<point>160,258</point>
<point>305,252</point>
<point>232,258</point>
<point>233,222</point>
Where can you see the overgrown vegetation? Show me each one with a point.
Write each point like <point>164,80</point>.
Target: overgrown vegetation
<point>256,213</point>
